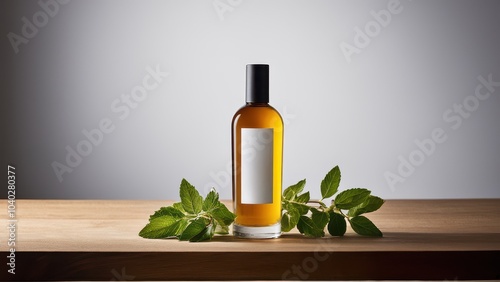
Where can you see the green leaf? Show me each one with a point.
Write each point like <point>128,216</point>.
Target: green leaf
<point>371,204</point>
<point>330,183</point>
<point>190,198</point>
<point>289,220</point>
<point>192,218</point>
<point>337,225</point>
<point>301,208</point>
<point>178,206</point>
<point>309,228</point>
<point>171,211</point>
<point>363,226</point>
<point>160,227</point>
<point>351,198</point>
<point>194,228</point>
<point>291,192</point>
<point>221,229</point>
<point>319,218</point>
<point>179,226</point>
<point>205,235</point>
<point>223,215</point>
<point>211,201</point>
<point>304,198</point>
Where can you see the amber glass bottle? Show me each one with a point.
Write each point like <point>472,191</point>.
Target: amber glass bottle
<point>257,158</point>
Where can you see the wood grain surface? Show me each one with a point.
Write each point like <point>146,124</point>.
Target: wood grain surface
<point>97,240</point>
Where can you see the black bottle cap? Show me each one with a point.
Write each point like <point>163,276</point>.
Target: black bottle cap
<point>257,84</point>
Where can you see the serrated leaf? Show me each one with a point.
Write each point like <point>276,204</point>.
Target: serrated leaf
<point>364,226</point>
<point>291,192</point>
<point>337,225</point>
<point>179,226</point>
<point>320,218</point>
<point>309,228</point>
<point>301,208</point>
<point>193,229</point>
<point>178,206</point>
<point>350,198</point>
<point>289,220</point>
<point>300,227</point>
<point>190,198</point>
<point>211,201</point>
<point>371,204</point>
<point>330,183</point>
<point>205,235</point>
<point>304,198</point>
<point>171,211</point>
<point>220,226</point>
<point>160,227</point>
<point>223,215</point>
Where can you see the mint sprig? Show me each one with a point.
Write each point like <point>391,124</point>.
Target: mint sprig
<point>192,219</point>
<point>311,217</point>
<point>196,219</point>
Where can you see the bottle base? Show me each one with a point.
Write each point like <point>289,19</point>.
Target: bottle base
<point>257,232</point>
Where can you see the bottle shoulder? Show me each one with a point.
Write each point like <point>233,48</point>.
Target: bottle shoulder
<point>257,116</point>
<point>263,109</point>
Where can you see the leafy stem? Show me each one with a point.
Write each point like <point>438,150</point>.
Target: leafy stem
<point>322,205</point>
<point>340,211</point>
<point>349,205</point>
<point>193,219</point>
<point>196,219</point>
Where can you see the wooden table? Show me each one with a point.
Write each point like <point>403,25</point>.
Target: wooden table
<point>97,240</point>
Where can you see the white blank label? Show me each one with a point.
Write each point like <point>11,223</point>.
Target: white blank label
<point>257,165</point>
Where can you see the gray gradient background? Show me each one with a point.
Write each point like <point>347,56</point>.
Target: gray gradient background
<point>361,115</point>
